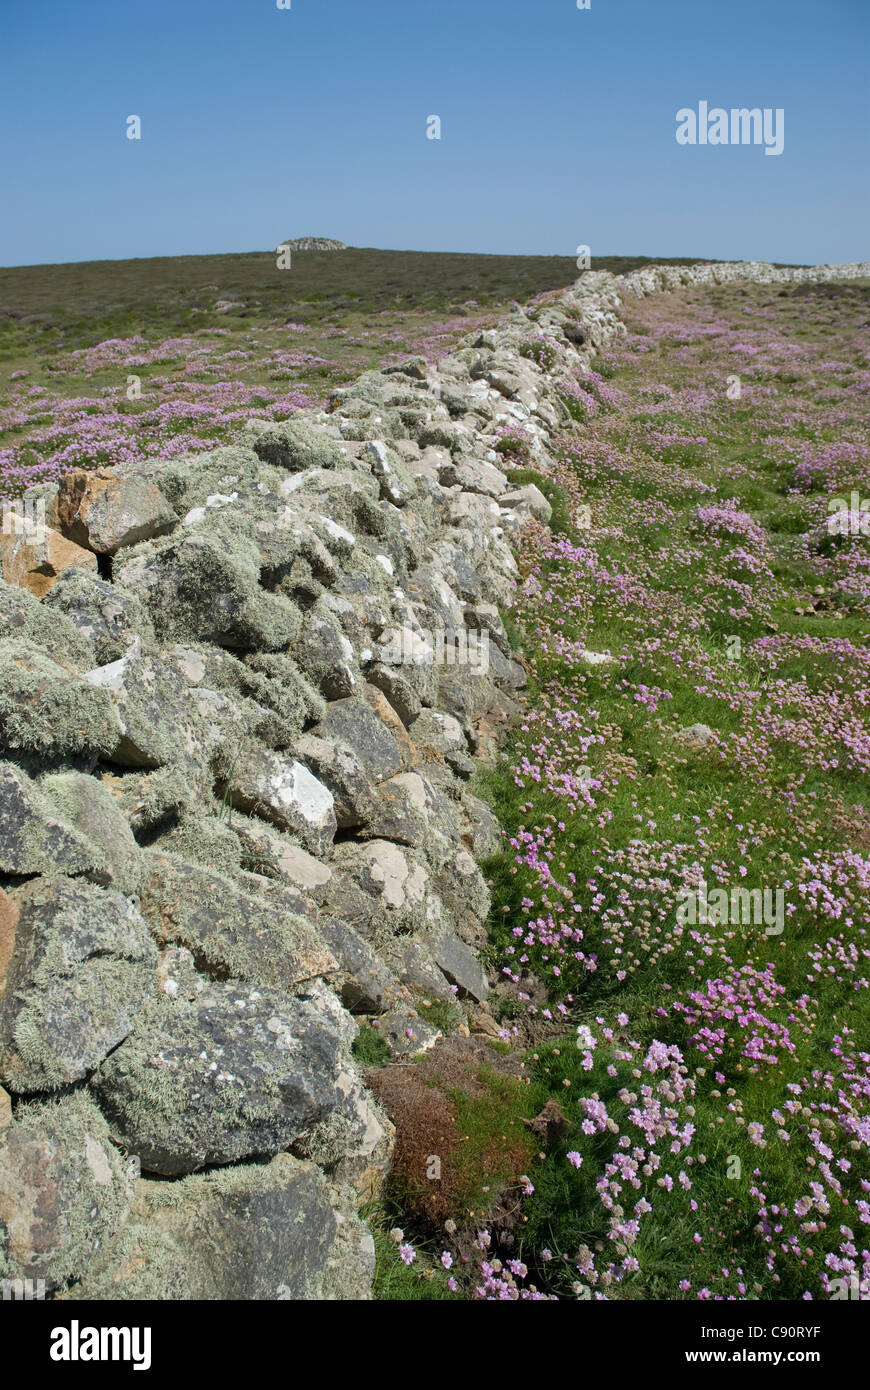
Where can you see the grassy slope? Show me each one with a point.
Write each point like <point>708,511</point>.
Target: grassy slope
<point>73,336</point>
<point>71,306</point>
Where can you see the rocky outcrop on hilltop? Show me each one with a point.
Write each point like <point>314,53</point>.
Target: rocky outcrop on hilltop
<point>314,243</point>
<point>240,703</point>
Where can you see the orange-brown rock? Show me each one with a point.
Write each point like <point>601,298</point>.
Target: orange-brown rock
<point>104,510</point>
<point>35,558</point>
<point>8,921</point>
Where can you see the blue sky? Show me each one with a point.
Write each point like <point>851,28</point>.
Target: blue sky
<point>558,127</point>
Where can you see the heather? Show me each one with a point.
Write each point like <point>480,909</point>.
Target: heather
<point>111,362</point>
<point>711,1067</point>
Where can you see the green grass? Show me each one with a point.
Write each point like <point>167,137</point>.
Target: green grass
<point>563,1213</point>
<point>370,1049</point>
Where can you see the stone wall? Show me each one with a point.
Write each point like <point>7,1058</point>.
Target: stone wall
<point>241,697</point>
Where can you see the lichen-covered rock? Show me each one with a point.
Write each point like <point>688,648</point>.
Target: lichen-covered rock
<point>88,805</point>
<point>416,968</point>
<point>378,702</point>
<point>326,656</point>
<point>64,1190</point>
<point>284,792</point>
<point>339,768</point>
<point>8,923</point>
<point>207,841</point>
<point>277,684</point>
<point>345,498</point>
<point>265,851</point>
<point>294,445</point>
<point>230,929</point>
<point>458,962</point>
<point>439,737</point>
<point>148,800</point>
<point>365,984</point>
<point>256,1232</point>
<point>473,510</point>
<point>159,720</point>
<point>398,689</point>
<point>408,809</point>
<point>463,891</point>
<point>186,480</point>
<point>240,1072</point>
<point>34,837</point>
<point>49,711</point>
<point>479,828</point>
<point>103,510</point>
<point>24,617</point>
<point>110,619</point>
<point>80,968</point>
<point>379,889</point>
<point>473,475</point>
<point>354,1142</point>
<point>204,587</point>
<point>485,617</point>
<point>397,483</point>
<point>466,691</point>
<point>354,723</point>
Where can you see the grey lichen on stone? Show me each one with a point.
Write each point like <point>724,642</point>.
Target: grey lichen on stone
<point>253,1232</point>
<point>108,619</point>
<point>294,445</point>
<point>158,718</point>
<point>187,480</point>
<point>35,838</point>
<point>150,799</point>
<point>64,1190</point>
<point>90,806</point>
<point>230,929</point>
<point>48,710</point>
<point>81,967</point>
<point>206,587</point>
<point>24,617</point>
<point>208,841</point>
<point>277,684</point>
<point>241,1072</point>
<point>285,792</point>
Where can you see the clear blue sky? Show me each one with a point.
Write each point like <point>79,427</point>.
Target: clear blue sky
<point>558,127</point>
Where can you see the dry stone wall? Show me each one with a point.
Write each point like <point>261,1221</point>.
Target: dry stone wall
<point>241,696</point>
